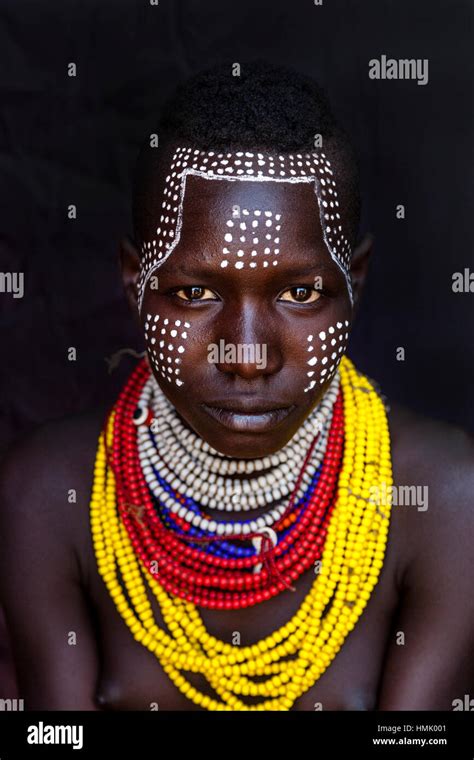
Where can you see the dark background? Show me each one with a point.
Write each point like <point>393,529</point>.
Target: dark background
<point>74,140</point>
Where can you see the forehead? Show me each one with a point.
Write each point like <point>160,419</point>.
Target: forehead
<point>248,225</point>
<point>203,190</point>
<point>212,209</point>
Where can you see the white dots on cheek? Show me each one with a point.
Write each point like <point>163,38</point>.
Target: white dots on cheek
<point>312,362</point>
<point>166,353</point>
<point>332,344</point>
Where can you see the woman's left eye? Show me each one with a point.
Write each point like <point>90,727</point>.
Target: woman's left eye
<point>301,294</point>
<point>195,293</point>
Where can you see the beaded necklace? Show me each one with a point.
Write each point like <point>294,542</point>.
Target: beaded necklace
<point>203,577</point>
<point>141,541</point>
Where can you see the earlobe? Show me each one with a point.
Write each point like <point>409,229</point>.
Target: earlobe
<point>130,266</point>
<point>359,265</point>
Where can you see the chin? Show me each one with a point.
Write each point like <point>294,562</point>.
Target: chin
<point>253,438</point>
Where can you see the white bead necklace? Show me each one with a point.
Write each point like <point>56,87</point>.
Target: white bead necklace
<point>212,489</point>
<point>166,417</point>
<point>226,494</point>
<point>203,523</point>
<point>179,448</point>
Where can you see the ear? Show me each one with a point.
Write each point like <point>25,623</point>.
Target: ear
<point>130,266</point>
<point>359,266</point>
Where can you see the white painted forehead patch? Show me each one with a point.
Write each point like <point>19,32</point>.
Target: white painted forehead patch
<point>251,234</point>
<point>244,165</point>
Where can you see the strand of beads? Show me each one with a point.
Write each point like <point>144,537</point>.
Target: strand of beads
<point>186,571</point>
<point>231,497</point>
<point>213,461</point>
<point>223,547</point>
<point>203,476</point>
<point>200,576</point>
<point>224,494</point>
<point>351,563</point>
<point>157,468</point>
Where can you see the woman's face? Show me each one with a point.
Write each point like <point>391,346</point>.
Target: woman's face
<point>246,321</point>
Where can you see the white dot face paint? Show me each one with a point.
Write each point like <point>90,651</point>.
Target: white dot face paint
<point>311,167</point>
<point>330,346</point>
<point>260,255</point>
<point>165,340</point>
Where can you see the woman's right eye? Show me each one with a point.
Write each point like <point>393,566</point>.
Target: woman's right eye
<point>195,293</point>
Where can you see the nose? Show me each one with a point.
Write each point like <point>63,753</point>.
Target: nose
<point>248,344</point>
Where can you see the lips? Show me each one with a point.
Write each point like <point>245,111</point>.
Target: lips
<point>248,415</point>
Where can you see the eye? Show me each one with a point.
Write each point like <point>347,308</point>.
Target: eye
<point>301,294</point>
<point>195,293</point>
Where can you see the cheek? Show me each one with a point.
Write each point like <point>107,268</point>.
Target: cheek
<point>166,345</point>
<point>325,350</point>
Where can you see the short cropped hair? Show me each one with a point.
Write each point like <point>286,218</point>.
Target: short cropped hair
<point>268,107</point>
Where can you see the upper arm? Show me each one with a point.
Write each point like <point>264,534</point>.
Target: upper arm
<point>47,615</point>
<point>432,664</point>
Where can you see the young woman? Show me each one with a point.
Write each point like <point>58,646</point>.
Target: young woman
<point>236,543</point>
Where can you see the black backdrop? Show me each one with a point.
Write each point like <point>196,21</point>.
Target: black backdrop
<point>73,141</point>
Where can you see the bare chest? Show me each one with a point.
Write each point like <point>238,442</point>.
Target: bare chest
<point>132,678</point>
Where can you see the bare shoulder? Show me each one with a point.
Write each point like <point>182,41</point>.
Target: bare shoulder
<point>45,482</point>
<point>433,467</point>
<point>432,526</point>
<point>421,440</point>
<point>44,545</point>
